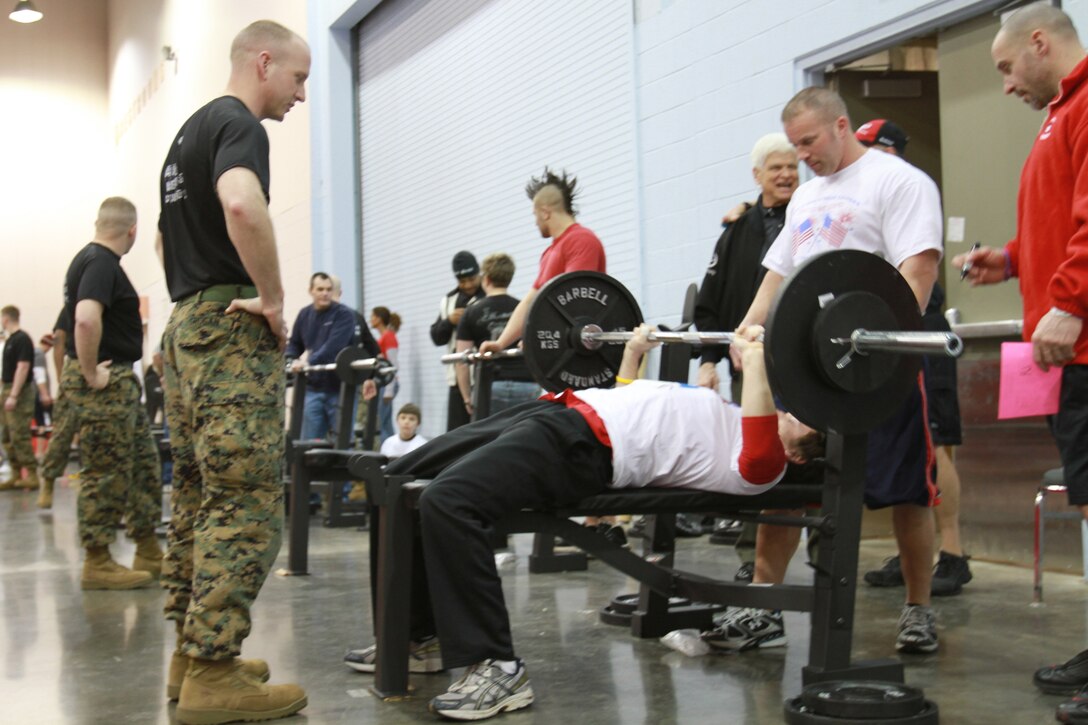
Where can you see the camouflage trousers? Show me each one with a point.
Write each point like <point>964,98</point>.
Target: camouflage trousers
<point>65,427</point>
<point>119,478</point>
<point>16,433</point>
<point>224,386</point>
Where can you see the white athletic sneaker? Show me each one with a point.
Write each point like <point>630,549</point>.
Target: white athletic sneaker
<point>423,657</point>
<point>485,691</point>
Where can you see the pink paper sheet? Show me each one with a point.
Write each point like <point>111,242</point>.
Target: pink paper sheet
<point>1025,389</point>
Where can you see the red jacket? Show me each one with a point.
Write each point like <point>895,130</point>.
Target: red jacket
<point>1050,251</point>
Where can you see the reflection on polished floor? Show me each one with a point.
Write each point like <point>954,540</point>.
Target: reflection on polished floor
<point>100,657</point>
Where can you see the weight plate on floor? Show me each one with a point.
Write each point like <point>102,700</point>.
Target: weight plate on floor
<point>862,698</point>
<point>798,375</point>
<point>797,713</point>
<point>552,342</point>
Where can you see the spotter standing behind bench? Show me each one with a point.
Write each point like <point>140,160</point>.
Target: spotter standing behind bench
<point>554,452</point>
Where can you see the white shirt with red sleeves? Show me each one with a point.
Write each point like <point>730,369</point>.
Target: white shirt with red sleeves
<point>669,435</point>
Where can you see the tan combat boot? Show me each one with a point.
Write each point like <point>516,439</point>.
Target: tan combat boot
<point>357,492</point>
<point>102,572</point>
<point>179,665</point>
<point>45,494</point>
<point>148,556</point>
<point>222,691</point>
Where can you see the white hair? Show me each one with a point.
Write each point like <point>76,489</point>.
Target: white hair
<point>772,143</point>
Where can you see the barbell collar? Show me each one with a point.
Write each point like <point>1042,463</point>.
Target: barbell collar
<point>472,358</point>
<point>864,341</point>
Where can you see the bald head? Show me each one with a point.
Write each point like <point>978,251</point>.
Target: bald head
<point>1038,16</point>
<point>262,35</point>
<point>1034,50</point>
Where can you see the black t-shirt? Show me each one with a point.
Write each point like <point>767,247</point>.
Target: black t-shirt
<point>19,348</point>
<point>197,251</point>
<point>96,274</point>
<point>485,318</point>
<point>64,322</point>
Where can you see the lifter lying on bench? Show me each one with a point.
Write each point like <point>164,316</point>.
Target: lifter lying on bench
<point>554,452</point>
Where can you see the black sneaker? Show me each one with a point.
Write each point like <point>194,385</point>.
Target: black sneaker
<point>745,573</point>
<point>889,575</point>
<point>950,574</point>
<point>688,526</point>
<point>613,533</point>
<point>1075,710</point>
<point>1067,678</point>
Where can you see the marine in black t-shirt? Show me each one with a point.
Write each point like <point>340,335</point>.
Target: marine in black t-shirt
<point>19,348</point>
<point>96,274</point>
<point>197,251</point>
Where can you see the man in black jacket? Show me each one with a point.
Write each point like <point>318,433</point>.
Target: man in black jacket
<point>450,309</point>
<point>735,273</point>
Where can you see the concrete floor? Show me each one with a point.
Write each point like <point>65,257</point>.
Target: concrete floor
<point>100,657</point>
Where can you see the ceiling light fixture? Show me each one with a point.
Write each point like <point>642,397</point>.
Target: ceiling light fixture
<point>25,12</point>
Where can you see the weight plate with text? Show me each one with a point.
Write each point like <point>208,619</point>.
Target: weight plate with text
<point>552,343</point>
<point>803,382</point>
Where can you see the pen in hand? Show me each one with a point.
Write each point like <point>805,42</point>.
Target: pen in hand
<point>967,265</point>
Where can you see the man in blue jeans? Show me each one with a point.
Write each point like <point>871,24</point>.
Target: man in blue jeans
<point>323,329</point>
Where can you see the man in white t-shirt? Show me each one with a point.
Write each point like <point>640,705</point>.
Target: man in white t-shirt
<point>553,452</point>
<point>408,438</point>
<point>874,202</point>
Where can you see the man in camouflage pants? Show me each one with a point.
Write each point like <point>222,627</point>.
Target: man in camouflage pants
<point>115,442</point>
<point>18,402</point>
<point>65,422</point>
<point>224,380</point>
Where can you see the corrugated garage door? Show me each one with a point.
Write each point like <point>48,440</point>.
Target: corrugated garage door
<point>460,102</point>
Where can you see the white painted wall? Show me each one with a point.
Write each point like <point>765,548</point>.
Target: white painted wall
<point>149,99</point>
<point>56,163</point>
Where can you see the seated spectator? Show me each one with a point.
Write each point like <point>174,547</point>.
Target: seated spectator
<point>407,439</point>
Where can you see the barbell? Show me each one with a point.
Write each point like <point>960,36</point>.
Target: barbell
<point>352,368</point>
<point>843,338</point>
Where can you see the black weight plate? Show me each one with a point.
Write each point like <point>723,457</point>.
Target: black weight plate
<point>860,373</point>
<point>345,371</point>
<point>862,698</point>
<point>796,374</point>
<point>691,297</point>
<point>797,714</point>
<point>553,350</point>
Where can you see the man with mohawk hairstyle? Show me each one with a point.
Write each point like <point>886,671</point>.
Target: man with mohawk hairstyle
<point>574,248</point>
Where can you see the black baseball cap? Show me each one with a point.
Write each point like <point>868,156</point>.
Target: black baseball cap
<point>465,265</point>
<point>885,133</point>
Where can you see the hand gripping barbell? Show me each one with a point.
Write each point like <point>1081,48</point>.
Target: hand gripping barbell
<point>353,369</point>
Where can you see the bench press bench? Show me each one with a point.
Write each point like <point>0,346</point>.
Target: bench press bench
<point>830,598</point>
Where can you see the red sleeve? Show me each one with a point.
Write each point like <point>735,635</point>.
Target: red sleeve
<point>1068,288</point>
<point>762,456</point>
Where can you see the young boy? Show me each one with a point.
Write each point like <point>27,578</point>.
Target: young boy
<point>407,440</point>
<point>557,450</point>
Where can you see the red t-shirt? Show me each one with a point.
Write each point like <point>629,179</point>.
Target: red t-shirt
<point>387,342</point>
<point>576,249</point>
<point>1050,251</point>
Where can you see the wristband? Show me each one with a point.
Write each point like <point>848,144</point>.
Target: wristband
<point>624,381</point>
<point>1008,265</point>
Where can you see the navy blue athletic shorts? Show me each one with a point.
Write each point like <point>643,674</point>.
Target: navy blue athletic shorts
<point>900,467</point>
